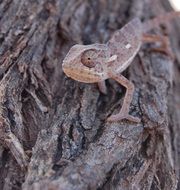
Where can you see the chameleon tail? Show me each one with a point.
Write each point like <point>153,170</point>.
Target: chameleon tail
<point>162,19</point>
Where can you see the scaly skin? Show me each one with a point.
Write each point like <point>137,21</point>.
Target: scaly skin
<point>98,62</point>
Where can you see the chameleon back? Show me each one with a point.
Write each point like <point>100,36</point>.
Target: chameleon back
<point>125,43</point>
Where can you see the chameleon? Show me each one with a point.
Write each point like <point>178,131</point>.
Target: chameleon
<point>97,62</point>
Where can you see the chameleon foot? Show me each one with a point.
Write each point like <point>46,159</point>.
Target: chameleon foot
<point>121,116</point>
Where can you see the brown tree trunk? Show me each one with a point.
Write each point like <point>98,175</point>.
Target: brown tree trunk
<point>53,130</point>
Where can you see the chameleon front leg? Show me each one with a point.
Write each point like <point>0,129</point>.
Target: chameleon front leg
<point>124,112</point>
<point>102,87</point>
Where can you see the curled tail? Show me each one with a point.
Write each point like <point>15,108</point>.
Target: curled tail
<point>162,19</point>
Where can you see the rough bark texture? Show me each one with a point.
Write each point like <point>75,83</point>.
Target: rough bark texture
<point>53,130</point>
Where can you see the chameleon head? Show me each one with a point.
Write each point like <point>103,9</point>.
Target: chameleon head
<point>86,63</point>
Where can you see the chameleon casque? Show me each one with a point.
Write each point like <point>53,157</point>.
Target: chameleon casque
<point>97,62</point>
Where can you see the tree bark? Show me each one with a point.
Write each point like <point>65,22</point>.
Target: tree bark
<point>53,130</point>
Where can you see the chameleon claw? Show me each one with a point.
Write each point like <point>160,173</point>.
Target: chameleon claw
<point>120,116</point>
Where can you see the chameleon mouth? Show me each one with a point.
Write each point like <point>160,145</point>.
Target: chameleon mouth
<point>81,76</point>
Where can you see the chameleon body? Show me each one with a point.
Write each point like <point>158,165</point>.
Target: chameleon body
<point>98,62</point>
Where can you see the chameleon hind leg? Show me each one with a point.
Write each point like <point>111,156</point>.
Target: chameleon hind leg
<point>124,112</point>
<point>165,44</point>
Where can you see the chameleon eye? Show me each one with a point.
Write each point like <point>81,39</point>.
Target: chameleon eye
<point>88,58</point>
